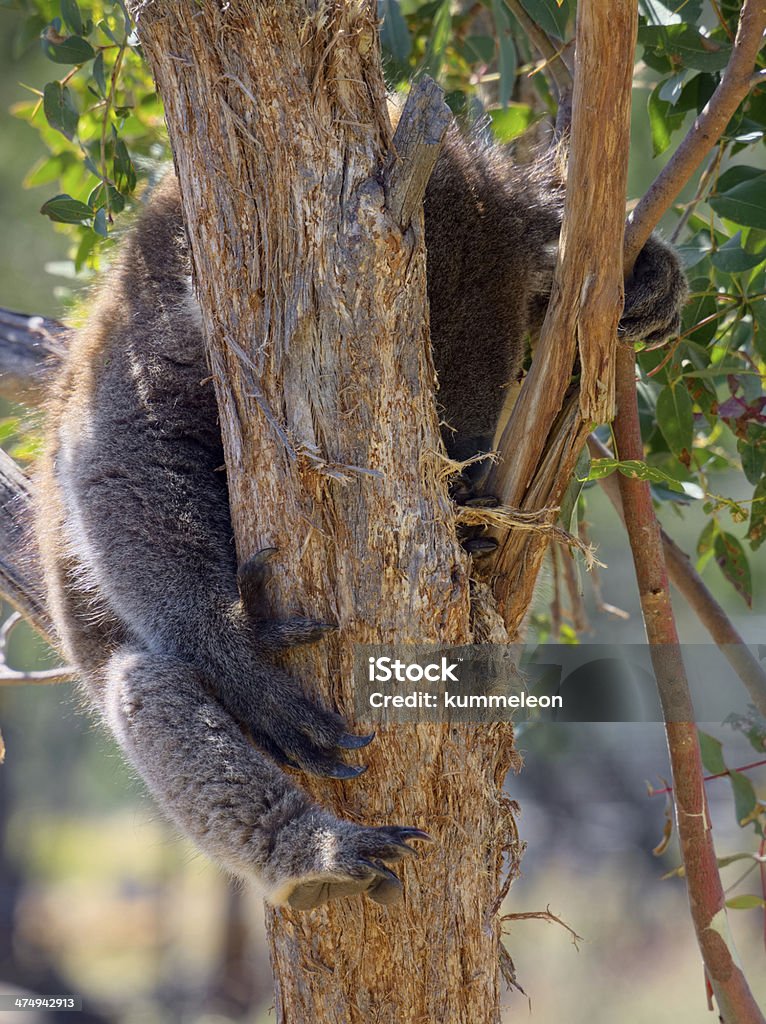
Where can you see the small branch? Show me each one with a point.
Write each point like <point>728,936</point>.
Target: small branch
<point>556,68</point>
<point>737,81</point>
<point>548,426</point>
<point>27,344</point>
<point>690,584</point>
<point>19,575</point>
<point>48,677</point>
<point>718,775</point>
<point>415,149</point>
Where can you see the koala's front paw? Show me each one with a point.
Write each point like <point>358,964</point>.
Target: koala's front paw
<point>298,733</point>
<point>272,634</point>
<point>349,861</point>
<point>473,538</point>
<point>654,294</point>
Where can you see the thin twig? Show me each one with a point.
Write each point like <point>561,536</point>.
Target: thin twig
<point>688,582</point>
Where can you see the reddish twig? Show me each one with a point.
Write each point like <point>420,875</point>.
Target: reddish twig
<point>718,775</point>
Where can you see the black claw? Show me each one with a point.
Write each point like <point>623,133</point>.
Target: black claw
<point>255,563</point>
<point>344,771</point>
<point>482,501</point>
<point>413,833</point>
<point>350,742</point>
<point>480,545</point>
<point>380,870</point>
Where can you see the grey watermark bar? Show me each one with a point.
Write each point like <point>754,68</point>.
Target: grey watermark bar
<point>547,683</point>
<point>37,1003</point>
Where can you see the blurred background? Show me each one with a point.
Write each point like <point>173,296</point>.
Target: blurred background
<point>100,899</point>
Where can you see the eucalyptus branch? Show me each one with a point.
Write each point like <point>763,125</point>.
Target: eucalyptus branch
<point>690,584</point>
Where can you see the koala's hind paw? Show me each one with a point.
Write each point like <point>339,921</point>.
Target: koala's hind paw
<point>654,294</point>
<point>295,732</point>
<point>357,866</point>
<point>472,538</point>
<point>272,634</point>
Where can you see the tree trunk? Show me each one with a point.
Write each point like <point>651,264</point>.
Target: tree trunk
<point>314,303</point>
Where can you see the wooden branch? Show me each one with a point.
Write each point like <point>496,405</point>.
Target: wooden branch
<point>690,584</point>
<point>19,574</point>
<point>417,142</point>
<point>586,297</point>
<point>27,345</point>
<point>735,1001</point>
<point>556,68</point>
<point>736,82</point>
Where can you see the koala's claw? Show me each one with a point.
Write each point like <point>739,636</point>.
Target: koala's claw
<point>405,832</point>
<point>360,868</point>
<point>345,771</point>
<point>481,501</point>
<point>252,577</point>
<point>351,742</point>
<point>479,546</point>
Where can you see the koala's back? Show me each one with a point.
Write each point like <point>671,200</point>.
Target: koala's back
<point>134,463</point>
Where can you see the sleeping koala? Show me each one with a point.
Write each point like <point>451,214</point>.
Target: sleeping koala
<point>173,640</point>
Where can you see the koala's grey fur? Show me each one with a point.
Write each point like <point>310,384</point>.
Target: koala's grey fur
<point>173,643</point>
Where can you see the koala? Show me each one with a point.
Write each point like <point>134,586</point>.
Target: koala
<point>173,640</point>
<point>491,229</point>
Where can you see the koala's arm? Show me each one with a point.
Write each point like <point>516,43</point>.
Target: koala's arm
<point>174,644</point>
<point>492,230</point>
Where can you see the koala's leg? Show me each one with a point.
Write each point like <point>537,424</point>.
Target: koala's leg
<point>230,799</point>
<point>654,294</point>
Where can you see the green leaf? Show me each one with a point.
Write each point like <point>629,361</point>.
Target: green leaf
<point>479,49</point>
<point>733,563</point>
<point>97,198</point>
<point>441,33</point>
<point>99,223</point>
<point>712,753</point>
<point>551,16</point>
<point>705,543</point>
<point>635,470</point>
<point>60,110</point>
<point>663,121</point>
<point>124,171</point>
<point>675,418</point>
<point>98,74</point>
<point>507,48</point>
<point>513,121</point>
<point>731,258</point>
<point>70,12</point>
<point>756,531</point>
<point>745,800</point>
<point>686,46</point>
<point>694,250</point>
<point>700,307</point>
<point>72,50</point>
<point>745,902</point>
<point>745,203</point>
<point>752,452</point>
<point>394,34</point>
<point>736,176</point>
<point>65,210</point>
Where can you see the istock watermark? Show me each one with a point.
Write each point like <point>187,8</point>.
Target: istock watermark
<point>550,682</point>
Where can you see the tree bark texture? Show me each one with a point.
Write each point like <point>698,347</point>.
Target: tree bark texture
<point>548,427</point>
<point>314,305</point>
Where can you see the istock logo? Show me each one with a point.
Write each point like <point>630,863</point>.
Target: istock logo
<point>383,670</point>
